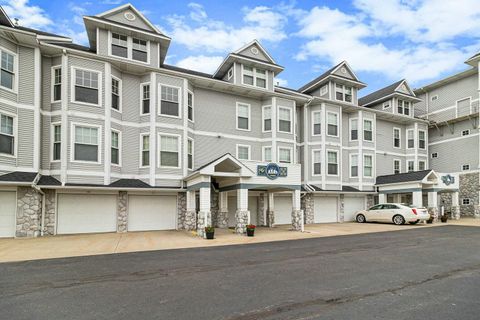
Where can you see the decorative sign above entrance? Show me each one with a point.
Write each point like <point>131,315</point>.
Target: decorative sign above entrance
<point>272,171</point>
<point>448,179</point>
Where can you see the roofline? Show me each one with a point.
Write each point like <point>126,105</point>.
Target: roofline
<point>109,188</point>
<point>362,84</point>
<point>255,41</point>
<point>236,55</point>
<point>454,77</point>
<point>344,62</point>
<point>388,96</point>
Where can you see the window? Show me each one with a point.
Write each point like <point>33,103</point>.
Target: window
<point>332,162</point>
<point>324,90</point>
<point>317,162</point>
<point>400,107</point>
<point>343,93</point>
<point>465,167</point>
<point>267,118</point>
<point>190,105</point>
<point>386,105</point>
<point>367,166</point>
<point>119,45</point>
<point>421,139</point>
<point>260,78</point>
<point>317,123</point>
<point>465,132</point>
<point>285,155</point>
<point>86,86</point>
<point>57,141</point>
<point>57,84</point>
<point>145,98</point>
<point>254,77</point>
<point>169,101</point>
<point>7,140</point>
<point>403,107</point>
<point>284,119</point>
<point>86,144</point>
<point>396,166</point>
<point>396,138</point>
<point>115,148</point>
<point>190,154</point>
<point>410,165</point>
<point>332,124</point>
<point>139,50</point>
<point>367,130</point>
<point>353,129</point>
<point>243,116</point>
<point>421,165</point>
<point>115,94</point>
<point>433,98</point>
<point>7,72</point>
<point>434,155</point>
<point>169,147</point>
<point>410,139</point>
<point>354,165</point>
<point>145,150</point>
<point>230,73</point>
<point>267,154</point>
<point>466,201</point>
<point>243,152</point>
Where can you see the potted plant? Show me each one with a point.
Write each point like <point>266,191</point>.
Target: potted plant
<point>444,217</point>
<point>209,232</point>
<point>250,230</point>
<point>430,220</point>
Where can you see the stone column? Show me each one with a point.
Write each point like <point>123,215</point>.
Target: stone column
<point>122,211</point>
<point>297,213</point>
<point>341,216</point>
<point>29,207</point>
<point>477,212</point>
<point>50,208</point>
<point>271,210</point>
<point>242,215</point>
<point>382,198</point>
<point>455,206</point>
<point>370,201</point>
<point>222,215</point>
<point>308,208</point>
<point>262,209</point>
<point>417,199</point>
<point>190,217</point>
<point>433,205</point>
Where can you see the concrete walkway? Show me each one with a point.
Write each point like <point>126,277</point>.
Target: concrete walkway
<point>109,243</point>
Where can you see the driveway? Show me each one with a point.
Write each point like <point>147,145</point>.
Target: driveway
<point>109,243</point>
<point>420,273</point>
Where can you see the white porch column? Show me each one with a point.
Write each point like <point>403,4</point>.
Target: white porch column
<point>297,213</point>
<point>271,209</point>
<point>455,206</point>
<point>242,215</point>
<point>191,213</point>
<point>397,197</point>
<point>204,215</point>
<point>382,198</point>
<point>417,198</point>
<point>222,216</point>
<point>433,205</point>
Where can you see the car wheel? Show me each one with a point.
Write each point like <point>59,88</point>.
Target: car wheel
<point>360,218</point>
<point>398,220</point>
<point>414,222</point>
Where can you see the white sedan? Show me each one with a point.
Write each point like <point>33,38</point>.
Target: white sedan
<point>393,212</point>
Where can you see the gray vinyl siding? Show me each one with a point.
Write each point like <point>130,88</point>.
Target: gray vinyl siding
<point>120,17</point>
<point>25,138</point>
<point>45,148</point>
<point>131,99</point>
<point>4,93</point>
<point>102,42</point>
<point>26,76</point>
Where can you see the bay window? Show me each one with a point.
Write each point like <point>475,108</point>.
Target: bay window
<point>169,104</point>
<point>145,98</point>
<point>190,154</point>
<point>410,139</point>
<point>86,144</point>
<point>343,93</point>
<point>317,125</point>
<point>119,45</point>
<point>243,116</point>
<point>254,77</point>
<point>267,154</point>
<point>421,165</point>
<point>284,155</point>
<point>354,165</point>
<point>396,166</point>
<point>139,50</point>
<point>367,166</point>
<point>367,130</point>
<point>421,139</point>
<point>7,71</point>
<point>332,124</point>
<point>190,105</point>
<point>332,163</point>
<point>410,166</point>
<point>353,129</point>
<point>243,152</point>
<point>267,118</point>
<point>86,86</point>
<point>115,148</point>
<point>145,152</point>
<point>169,150</point>
<point>317,162</point>
<point>116,94</point>
<point>403,107</point>
<point>57,141</point>
<point>7,139</point>
<point>284,119</point>
<point>396,138</point>
<point>57,84</point>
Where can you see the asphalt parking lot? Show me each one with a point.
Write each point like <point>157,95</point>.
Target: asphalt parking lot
<point>421,273</point>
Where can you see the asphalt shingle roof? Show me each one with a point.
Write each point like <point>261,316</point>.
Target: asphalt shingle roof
<point>129,183</point>
<point>125,25</point>
<point>319,78</point>
<point>379,94</point>
<point>403,177</point>
<point>48,181</point>
<point>344,189</point>
<point>73,46</point>
<point>40,32</point>
<point>18,176</point>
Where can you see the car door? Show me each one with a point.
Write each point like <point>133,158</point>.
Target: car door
<point>373,214</point>
<point>389,212</point>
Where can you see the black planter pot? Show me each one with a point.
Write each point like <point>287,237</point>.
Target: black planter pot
<point>430,220</point>
<point>250,232</point>
<point>209,235</point>
<point>444,219</point>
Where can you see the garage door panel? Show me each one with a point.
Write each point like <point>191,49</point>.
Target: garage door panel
<point>232,208</point>
<point>7,213</point>
<point>352,206</point>
<point>81,213</point>
<point>283,210</point>
<point>151,212</point>
<point>325,209</point>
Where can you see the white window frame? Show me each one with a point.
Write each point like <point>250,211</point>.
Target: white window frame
<point>465,132</point>
<point>414,142</point>
<point>72,87</point>
<point>468,200</point>
<point>141,166</point>
<point>249,147</point>
<point>15,71</point>
<point>313,123</point>
<point>52,141</point>
<point>52,93</point>
<point>407,163</point>
<point>327,163</point>
<point>338,124</point>
<point>263,118</point>
<point>350,121</point>
<point>119,149</point>
<point>129,49</point>
<point>433,98</point>
<point>467,169</point>
<point>373,130</point>
<point>193,106</point>
<point>363,164</point>
<point>387,105</point>
<point>193,153</point>
<point>249,116</point>
<point>343,92</point>
<point>313,163</point>
<point>399,138</point>
<point>159,100</point>
<point>424,164</point>
<point>99,128</point>
<point>264,159</point>
<point>424,140</point>
<point>254,74</point>
<point>399,166</point>
<point>120,94</point>
<point>15,135</point>
<point>290,150</point>
<point>291,119</point>
<point>350,165</point>
<point>432,155</point>
<point>143,84</point>
<point>159,150</point>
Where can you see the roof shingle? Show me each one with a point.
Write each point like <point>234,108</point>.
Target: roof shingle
<point>403,177</point>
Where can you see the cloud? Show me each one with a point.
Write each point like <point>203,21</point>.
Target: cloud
<point>207,64</point>
<point>202,33</point>
<point>27,15</point>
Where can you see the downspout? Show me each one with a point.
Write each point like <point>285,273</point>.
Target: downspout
<point>42,209</point>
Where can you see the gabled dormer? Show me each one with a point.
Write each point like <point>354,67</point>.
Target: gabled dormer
<point>338,84</point>
<point>124,33</point>
<point>249,66</point>
<point>397,98</point>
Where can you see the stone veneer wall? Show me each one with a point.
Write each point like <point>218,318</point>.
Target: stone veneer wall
<point>29,206</point>
<point>469,188</point>
<point>260,210</point>
<point>181,210</point>
<point>214,207</point>
<point>122,211</point>
<point>50,208</point>
<point>307,205</point>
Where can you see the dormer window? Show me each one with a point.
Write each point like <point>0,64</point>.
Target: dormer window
<point>254,77</point>
<point>129,48</point>
<point>343,93</point>
<point>403,107</point>
<point>139,50</point>
<point>119,45</point>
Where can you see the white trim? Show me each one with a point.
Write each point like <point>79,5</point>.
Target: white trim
<point>119,148</point>
<point>249,116</point>
<point>52,80</point>
<point>263,153</point>
<point>263,118</point>
<point>179,94</point>
<point>350,166</point>
<point>143,84</point>
<point>363,164</point>
<point>424,164</point>
<point>373,130</point>
<point>424,140</point>
<point>350,129</point>
<point>290,150</point>
<point>290,110</point>
<point>37,101</point>
<point>343,92</point>
<point>471,135</point>
<point>64,120</point>
<point>16,72</point>
<point>338,163</point>
<point>140,148</point>
<point>399,165</point>
<point>414,142</point>
<point>129,48</point>
<point>407,162</point>
<point>193,106</point>
<point>120,94</point>
<point>179,148</point>
<point>313,123</point>
<point>193,153</point>
<point>15,135</point>
<point>52,141</point>
<point>313,174</point>
<point>249,147</point>
<point>338,124</point>
<point>73,70</point>
<point>72,142</point>
<point>254,75</point>
<point>399,138</point>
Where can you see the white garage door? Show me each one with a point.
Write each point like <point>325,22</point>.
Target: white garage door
<point>283,210</point>
<point>325,209</point>
<point>152,213</point>
<point>7,213</point>
<point>352,205</point>
<point>86,213</point>
<point>232,208</point>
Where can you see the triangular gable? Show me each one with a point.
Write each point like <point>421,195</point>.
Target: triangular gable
<point>225,164</point>
<point>128,14</point>
<point>255,50</point>
<point>404,88</point>
<point>345,71</point>
<point>431,177</point>
<point>5,19</point>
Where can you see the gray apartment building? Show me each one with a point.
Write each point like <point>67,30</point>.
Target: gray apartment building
<point>109,138</point>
